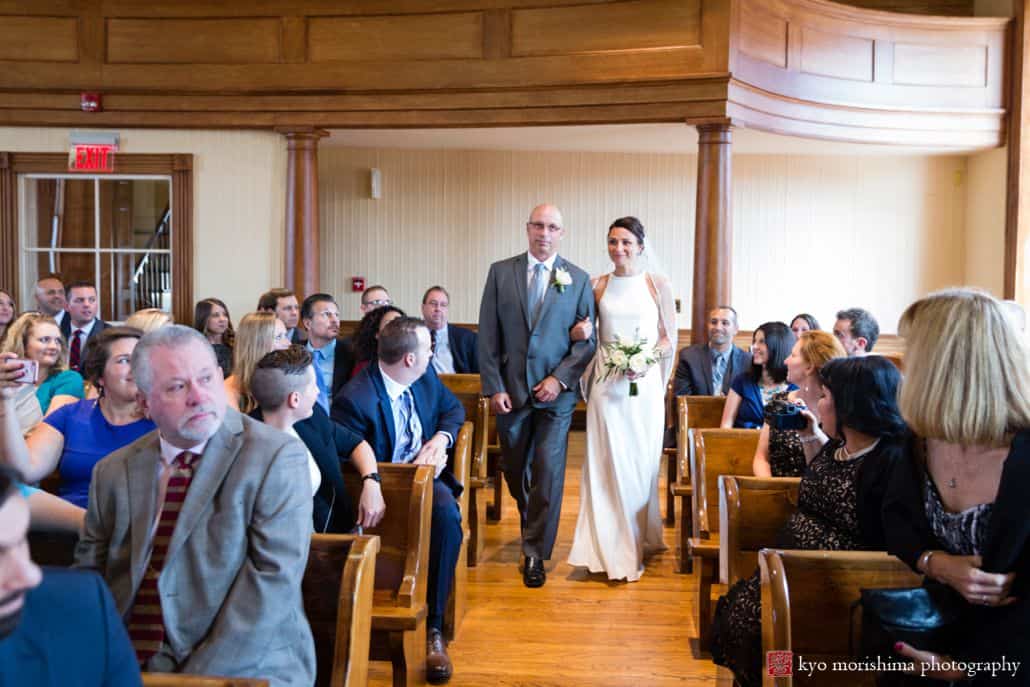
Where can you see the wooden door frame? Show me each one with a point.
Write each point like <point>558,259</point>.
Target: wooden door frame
<point>178,167</point>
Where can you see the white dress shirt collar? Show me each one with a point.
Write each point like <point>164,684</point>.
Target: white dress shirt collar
<point>169,452</point>
<point>548,263</point>
<point>394,389</point>
<point>85,330</point>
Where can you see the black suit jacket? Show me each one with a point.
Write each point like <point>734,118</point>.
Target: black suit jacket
<point>70,634</point>
<point>343,365</point>
<point>363,407</point>
<point>464,345</point>
<point>299,337</point>
<point>66,329</point>
<point>330,445</point>
<point>694,370</point>
<point>987,631</point>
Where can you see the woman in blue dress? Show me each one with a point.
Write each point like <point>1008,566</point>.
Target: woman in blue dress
<point>752,389</point>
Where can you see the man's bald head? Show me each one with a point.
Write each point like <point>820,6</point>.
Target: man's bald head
<point>545,230</point>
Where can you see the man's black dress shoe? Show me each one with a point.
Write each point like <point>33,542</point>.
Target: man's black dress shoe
<point>533,574</point>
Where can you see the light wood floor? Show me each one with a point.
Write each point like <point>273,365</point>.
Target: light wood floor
<point>578,630</point>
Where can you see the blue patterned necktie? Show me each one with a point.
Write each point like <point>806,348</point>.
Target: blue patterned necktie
<point>409,433</point>
<point>536,291</point>
<point>718,372</point>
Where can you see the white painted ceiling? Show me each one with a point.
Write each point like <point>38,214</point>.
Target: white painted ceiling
<point>624,138</point>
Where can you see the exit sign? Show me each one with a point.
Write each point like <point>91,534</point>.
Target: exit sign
<point>92,158</point>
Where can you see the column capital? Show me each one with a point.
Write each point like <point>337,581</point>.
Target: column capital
<point>714,133</point>
<point>305,134</point>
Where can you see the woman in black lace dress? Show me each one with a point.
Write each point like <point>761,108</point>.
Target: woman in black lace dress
<point>839,499</point>
<point>781,453</point>
<point>958,509</point>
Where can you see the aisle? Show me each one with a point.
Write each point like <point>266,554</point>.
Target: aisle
<point>577,631</point>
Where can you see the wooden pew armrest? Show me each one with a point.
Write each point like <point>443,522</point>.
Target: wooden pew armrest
<point>705,548</point>
<point>397,618</point>
<point>680,489</point>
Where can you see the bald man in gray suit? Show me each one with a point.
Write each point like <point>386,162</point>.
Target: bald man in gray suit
<point>201,529</point>
<point>530,369</point>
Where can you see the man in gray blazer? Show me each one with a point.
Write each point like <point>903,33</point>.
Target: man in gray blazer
<point>530,369</point>
<point>201,529</point>
<point>707,369</point>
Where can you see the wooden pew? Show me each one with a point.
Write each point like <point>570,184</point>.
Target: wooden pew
<point>399,600</point>
<point>338,588</point>
<point>669,455</point>
<point>752,511</point>
<point>806,606</point>
<point>461,459</point>
<point>692,412</point>
<point>180,680</point>
<point>716,452</point>
<point>477,411</point>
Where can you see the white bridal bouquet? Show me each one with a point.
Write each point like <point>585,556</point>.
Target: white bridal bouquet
<point>622,356</point>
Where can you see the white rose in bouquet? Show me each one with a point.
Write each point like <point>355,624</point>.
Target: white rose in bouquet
<point>619,359</point>
<point>639,363</point>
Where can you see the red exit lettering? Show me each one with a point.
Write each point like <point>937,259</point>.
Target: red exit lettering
<point>92,158</point>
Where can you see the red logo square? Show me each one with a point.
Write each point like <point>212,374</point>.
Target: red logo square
<point>779,663</point>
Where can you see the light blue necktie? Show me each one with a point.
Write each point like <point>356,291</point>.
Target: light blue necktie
<point>537,287</point>
<point>409,433</point>
<point>718,372</point>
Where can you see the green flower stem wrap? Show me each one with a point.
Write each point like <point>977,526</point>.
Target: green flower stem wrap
<point>633,391</point>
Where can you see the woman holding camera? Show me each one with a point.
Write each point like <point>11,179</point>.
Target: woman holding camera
<point>781,451</point>
<point>74,438</point>
<point>38,338</point>
<point>751,390</point>
<point>840,497</point>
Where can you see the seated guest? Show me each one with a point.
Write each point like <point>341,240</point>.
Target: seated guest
<point>284,386</point>
<point>454,347</point>
<point>75,437</point>
<point>149,319</point>
<point>260,333</point>
<point>59,627</point>
<point>857,331</point>
<point>211,318</point>
<point>202,528</point>
<point>82,322</point>
<point>803,323</point>
<point>839,500</point>
<point>957,509</point>
<point>50,298</point>
<point>333,363</point>
<point>375,296</point>
<point>752,389</point>
<point>372,298</point>
<point>425,417</point>
<point>366,340</point>
<point>781,452</point>
<point>8,311</point>
<point>706,369</point>
<point>283,304</point>
<point>37,338</point>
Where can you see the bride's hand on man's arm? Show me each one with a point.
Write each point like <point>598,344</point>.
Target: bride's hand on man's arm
<point>582,330</point>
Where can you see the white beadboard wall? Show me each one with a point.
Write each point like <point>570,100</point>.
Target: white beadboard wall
<point>239,192</point>
<point>811,233</point>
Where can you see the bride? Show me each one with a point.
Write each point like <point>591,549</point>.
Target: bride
<point>619,522</point>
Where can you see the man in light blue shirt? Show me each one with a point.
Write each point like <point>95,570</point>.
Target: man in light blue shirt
<point>321,318</point>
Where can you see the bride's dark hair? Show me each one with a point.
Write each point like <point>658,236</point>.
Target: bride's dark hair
<point>632,225</point>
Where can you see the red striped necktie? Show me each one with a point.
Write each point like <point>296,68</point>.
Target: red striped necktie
<point>75,351</point>
<point>146,623</point>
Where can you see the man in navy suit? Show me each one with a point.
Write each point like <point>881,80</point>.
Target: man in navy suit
<point>81,324</point>
<point>56,628</point>
<point>405,412</point>
<point>454,348</point>
<point>708,368</point>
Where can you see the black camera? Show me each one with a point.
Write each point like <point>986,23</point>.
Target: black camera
<point>785,415</point>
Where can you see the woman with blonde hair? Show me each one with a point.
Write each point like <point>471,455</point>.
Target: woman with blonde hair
<point>956,509</point>
<point>149,319</point>
<point>37,337</point>
<point>782,452</point>
<point>259,333</point>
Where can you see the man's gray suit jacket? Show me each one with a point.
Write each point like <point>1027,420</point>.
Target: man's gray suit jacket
<point>514,355</point>
<point>694,370</point>
<point>230,586</point>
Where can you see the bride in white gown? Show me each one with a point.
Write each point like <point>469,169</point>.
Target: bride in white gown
<point>619,522</point>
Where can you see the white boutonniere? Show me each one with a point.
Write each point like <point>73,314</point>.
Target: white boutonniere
<point>562,278</point>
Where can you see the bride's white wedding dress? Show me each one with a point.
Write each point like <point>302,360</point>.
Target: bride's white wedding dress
<point>619,520</point>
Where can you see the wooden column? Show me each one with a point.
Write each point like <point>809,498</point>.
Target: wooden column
<point>301,249</point>
<point>1017,192</point>
<point>713,237</point>
<point>9,230</point>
